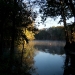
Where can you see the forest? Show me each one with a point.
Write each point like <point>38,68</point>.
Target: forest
<point>52,33</point>
<point>17,27</point>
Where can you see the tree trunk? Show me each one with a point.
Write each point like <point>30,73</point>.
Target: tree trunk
<point>12,41</point>
<point>1,39</point>
<point>64,21</point>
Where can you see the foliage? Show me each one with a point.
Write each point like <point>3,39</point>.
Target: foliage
<point>30,35</point>
<point>53,33</point>
<point>14,15</point>
<point>42,35</point>
<point>63,8</point>
<point>55,8</point>
<point>71,32</point>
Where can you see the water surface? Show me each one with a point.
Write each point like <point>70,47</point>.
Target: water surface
<point>49,59</point>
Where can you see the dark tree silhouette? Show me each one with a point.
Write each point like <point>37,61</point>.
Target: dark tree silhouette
<point>14,15</point>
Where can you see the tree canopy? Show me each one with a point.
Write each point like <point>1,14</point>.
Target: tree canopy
<point>52,33</point>
<point>54,8</point>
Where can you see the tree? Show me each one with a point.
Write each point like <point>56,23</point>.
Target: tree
<point>14,14</point>
<point>52,33</point>
<point>55,8</point>
<point>71,3</point>
<point>43,34</point>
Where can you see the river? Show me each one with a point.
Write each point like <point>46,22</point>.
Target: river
<point>49,57</point>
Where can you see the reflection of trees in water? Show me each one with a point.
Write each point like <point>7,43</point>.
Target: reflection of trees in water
<point>54,47</point>
<point>69,65</point>
<point>21,65</point>
<point>28,57</point>
<point>25,65</point>
<point>51,49</point>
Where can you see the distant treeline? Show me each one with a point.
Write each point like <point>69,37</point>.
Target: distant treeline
<point>53,33</point>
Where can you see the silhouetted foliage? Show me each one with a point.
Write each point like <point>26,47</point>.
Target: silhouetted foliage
<point>54,8</point>
<point>14,15</point>
<point>53,33</point>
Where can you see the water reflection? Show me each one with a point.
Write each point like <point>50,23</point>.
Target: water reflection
<point>42,58</point>
<point>69,65</point>
<point>49,64</point>
<point>39,58</point>
<point>23,63</point>
<point>27,59</point>
<point>53,47</point>
<point>50,58</point>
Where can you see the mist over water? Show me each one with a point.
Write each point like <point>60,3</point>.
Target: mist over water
<point>49,59</point>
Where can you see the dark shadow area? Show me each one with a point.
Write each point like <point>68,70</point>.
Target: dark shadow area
<point>69,65</point>
<point>23,63</point>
